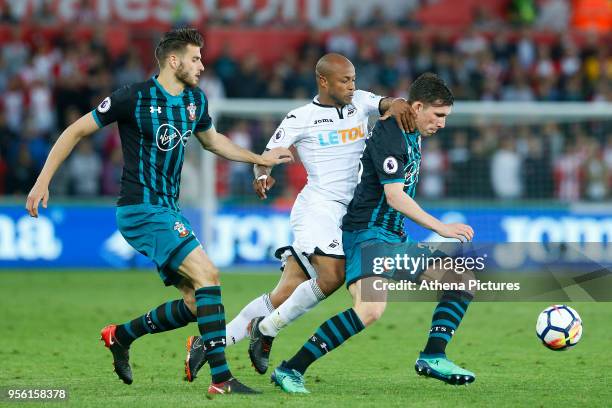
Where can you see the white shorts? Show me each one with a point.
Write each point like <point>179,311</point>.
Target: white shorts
<point>316,226</point>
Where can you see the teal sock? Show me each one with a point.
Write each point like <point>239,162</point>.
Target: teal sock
<point>211,322</point>
<point>446,319</point>
<point>168,316</point>
<point>328,336</point>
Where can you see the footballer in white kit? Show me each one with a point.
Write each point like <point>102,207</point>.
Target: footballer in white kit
<point>329,134</point>
<point>329,141</point>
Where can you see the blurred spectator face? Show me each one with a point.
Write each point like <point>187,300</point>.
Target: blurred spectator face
<point>430,118</point>
<point>187,65</point>
<point>339,84</point>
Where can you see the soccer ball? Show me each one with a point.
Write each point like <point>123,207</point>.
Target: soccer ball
<point>559,327</point>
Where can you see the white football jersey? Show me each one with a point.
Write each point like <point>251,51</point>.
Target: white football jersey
<point>329,141</point>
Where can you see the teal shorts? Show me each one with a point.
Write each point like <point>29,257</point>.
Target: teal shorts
<point>377,242</point>
<point>354,242</point>
<point>161,234</point>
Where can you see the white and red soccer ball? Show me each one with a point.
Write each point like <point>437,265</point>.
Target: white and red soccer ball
<point>559,327</point>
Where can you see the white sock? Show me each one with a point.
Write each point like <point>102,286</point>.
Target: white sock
<point>306,296</point>
<point>236,330</point>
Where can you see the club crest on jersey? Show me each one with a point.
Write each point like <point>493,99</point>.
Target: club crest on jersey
<point>180,228</point>
<point>192,111</point>
<point>351,111</point>
<point>390,165</point>
<point>105,105</point>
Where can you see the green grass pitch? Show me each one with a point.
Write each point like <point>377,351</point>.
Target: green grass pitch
<point>50,338</point>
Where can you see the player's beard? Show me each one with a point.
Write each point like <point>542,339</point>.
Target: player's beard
<point>338,100</point>
<point>183,76</point>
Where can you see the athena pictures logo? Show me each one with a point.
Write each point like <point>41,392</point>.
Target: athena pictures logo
<point>105,105</point>
<point>390,165</point>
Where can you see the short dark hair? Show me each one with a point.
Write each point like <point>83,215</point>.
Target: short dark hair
<point>177,40</point>
<point>431,90</point>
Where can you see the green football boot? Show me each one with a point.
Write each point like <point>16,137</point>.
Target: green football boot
<point>289,380</point>
<point>439,367</point>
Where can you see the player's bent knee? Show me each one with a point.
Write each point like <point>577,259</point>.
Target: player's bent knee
<point>199,270</point>
<point>201,278</point>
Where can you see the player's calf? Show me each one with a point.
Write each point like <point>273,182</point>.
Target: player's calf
<point>370,312</point>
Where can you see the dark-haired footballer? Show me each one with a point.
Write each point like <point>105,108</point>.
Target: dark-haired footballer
<point>383,197</point>
<point>155,119</point>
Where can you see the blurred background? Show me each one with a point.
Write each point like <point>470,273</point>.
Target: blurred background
<point>526,155</point>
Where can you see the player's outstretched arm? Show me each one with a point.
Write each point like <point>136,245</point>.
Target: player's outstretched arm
<point>84,126</point>
<point>401,111</point>
<point>220,144</point>
<point>402,202</point>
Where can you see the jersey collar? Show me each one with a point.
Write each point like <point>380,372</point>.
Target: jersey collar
<point>315,101</point>
<point>174,99</point>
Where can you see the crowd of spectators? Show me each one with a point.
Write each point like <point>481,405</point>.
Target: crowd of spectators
<point>566,162</point>
<point>47,83</point>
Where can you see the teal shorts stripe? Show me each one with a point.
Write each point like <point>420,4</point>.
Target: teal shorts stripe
<point>215,351</point>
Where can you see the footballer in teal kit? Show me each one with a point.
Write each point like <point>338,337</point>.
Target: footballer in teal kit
<point>156,118</point>
<point>389,173</point>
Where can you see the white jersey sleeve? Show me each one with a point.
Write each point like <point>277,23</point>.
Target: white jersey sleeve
<point>367,101</point>
<point>288,133</point>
